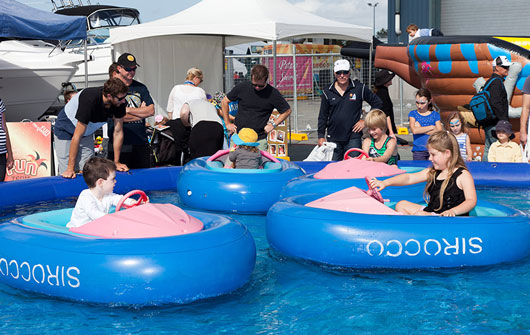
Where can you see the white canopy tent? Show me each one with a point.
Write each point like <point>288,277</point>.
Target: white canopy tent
<point>197,36</point>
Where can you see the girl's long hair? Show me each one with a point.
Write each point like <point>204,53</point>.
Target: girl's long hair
<point>444,140</point>
<point>456,115</point>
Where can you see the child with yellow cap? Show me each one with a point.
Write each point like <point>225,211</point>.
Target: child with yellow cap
<point>246,154</point>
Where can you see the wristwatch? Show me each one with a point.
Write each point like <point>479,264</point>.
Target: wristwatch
<point>274,125</point>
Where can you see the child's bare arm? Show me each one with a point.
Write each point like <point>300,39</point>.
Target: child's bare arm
<point>416,128</point>
<point>400,180</point>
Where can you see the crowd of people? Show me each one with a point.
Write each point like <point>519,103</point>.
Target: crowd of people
<point>199,129</point>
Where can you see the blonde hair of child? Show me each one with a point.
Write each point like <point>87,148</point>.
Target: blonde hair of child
<point>456,115</point>
<point>376,118</point>
<point>444,140</point>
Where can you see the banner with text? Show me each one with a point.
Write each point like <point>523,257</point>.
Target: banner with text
<point>285,75</point>
<point>32,150</point>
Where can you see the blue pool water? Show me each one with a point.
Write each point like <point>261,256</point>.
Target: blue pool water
<point>288,297</point>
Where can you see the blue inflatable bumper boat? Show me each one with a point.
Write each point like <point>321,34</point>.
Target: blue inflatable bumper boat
<point>354,237</point>
<point>38,253</point>
<point>204,183</point>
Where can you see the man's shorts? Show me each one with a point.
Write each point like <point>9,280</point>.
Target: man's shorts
<point>85,152</point>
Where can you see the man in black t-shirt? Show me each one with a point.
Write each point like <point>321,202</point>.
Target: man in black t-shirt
<point>135,151</point>
<point>256,102</point>
<point>85,113</point>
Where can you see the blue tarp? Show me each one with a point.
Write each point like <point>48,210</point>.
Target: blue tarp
<point>24,22</point>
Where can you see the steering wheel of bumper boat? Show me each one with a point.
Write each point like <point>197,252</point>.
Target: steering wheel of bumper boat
<point>373,192</point>
<point>141,200</point>
<point>361,151</point>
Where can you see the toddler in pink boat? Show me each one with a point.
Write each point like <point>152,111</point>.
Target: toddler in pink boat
<point>96,201</point>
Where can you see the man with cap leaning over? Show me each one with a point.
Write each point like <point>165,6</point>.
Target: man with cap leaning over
<point>341,110</point>
<point>135,151</point>
<point>498,99</point>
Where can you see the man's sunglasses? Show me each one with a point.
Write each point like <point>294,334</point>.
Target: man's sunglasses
<point>259,86</point>
<point>129,69</point>
<point>338,73</point>
<point>121,98</point>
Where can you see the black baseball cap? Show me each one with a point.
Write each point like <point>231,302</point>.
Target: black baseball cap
<point>127,60</point>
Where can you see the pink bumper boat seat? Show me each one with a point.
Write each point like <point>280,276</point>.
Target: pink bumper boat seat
<point>353,200</point>
<point>357,168</point>
<point>145,221</point>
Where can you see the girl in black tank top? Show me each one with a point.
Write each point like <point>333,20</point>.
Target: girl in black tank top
<point>444,153</point>
<point>452,197</point>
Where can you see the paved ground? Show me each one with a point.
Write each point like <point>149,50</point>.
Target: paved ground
<point>307,123</point>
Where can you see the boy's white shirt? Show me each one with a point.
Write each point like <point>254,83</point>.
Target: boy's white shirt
<point>88,207</point>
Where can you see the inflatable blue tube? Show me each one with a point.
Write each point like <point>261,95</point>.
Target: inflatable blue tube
<point>45,258</point>
<point>37,253</point>
<point>232,190</point>
<point>494,235</point>
<point>488,173</point>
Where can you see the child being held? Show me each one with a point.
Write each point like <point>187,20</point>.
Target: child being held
<point>246,154</point>
<point>504,150</point>
<point>380,147</point>
<point>457,126</point>
<point>450,189</point>
<point>95,202</point>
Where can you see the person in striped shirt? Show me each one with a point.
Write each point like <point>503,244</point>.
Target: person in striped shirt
<point>6,153</point>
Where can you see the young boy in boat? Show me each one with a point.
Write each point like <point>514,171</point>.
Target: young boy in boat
<point>450,189</point>
<point>379,146</point>
<point>246,154</point>
<point>96,201</point>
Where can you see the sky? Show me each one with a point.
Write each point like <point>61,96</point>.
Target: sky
<point>348,11</point>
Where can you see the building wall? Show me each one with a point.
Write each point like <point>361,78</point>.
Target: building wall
<point>424,13</point>
<point>485,17</point>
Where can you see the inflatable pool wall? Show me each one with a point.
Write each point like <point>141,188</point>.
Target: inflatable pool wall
<point>57,188</point>
<point>484,173</point>
<point>489,173</point>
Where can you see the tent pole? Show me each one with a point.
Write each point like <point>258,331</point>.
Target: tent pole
<point>86,63</point>
<point>274,63</point>
<point>223,42</point>
<point>295,91</point>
